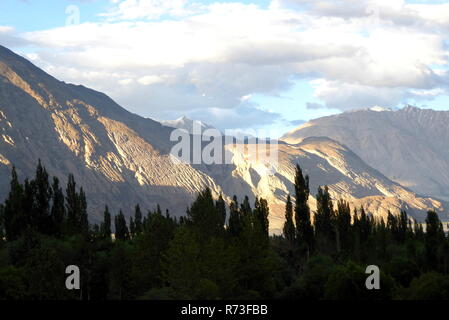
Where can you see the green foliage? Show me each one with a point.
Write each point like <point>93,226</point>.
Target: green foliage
<point>429,286</point>
<point>304,229</point>
<point>289,226</point>
<point>206,256</point>
<point>347,282</point>
<point>121,228</point>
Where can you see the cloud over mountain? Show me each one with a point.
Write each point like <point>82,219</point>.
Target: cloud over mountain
<point>154,56</point>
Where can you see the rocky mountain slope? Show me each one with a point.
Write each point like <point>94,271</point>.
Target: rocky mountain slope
<point>122,159</point>
<point>410,145</point>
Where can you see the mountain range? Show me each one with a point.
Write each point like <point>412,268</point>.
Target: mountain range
<point>383,160</point>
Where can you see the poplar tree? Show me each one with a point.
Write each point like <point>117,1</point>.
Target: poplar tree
<point>304,229</point>
<point>324,217</point>
<point>57,208</point>
<point>235,219</point>
<point>221,207</point>
<point>106,224</point>
<point>13,213</point>
<point>138,220</point>
<point>289,227</point>
<point>42,194</point>
<point>121,229</point>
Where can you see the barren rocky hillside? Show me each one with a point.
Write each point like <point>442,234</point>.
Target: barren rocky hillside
<point>122,159</point>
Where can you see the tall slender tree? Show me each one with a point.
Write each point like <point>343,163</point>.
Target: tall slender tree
<point>235,219</point>
<point>221,207</point>
<point>138,219</point>
<point>105,228</point>
<point>324,220</point>
<point>57,208</point>
<point>13,213</point>
<point>121,228</point>
<point>42,194</point>
<point>304,229</point>
<point>289,226</point>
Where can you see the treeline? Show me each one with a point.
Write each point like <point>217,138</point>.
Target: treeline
<point>215,251</point>
<point>151,256</point>
<point>329,257</point>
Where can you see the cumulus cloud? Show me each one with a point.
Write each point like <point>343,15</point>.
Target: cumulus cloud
<point>148,9</point>
<point>176,56</point>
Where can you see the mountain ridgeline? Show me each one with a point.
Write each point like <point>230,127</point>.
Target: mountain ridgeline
<point>410,145</point>
<point>121,159</point>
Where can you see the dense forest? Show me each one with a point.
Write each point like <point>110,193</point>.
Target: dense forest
<point>215,251</point>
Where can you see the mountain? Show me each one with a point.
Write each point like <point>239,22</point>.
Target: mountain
<point>186,124</point>
<point>330,163</point>
<point>410,145</point>
<point>122,159</point>
<point>118,157</point>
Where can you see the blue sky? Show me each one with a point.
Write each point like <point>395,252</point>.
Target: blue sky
<point>240,64</point>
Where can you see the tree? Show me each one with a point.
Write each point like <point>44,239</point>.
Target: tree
<point>57,209</point>
<point>132,227</point>
<point>181,267</point>
<point>106,224</point>
<point>324,220</point>
<point>204,216</point>
<point>235,219</point>
<point>304,229</point>
<point>289,227</point>
<point>14,216</point>
<point>72,206</point>
<point>42,195</point>
<point>83,217</point>
<point>121,229</point>
<point>343,226</point>
<point>261,213</point>
<point>429,286</point>
<point>434,237</point>
<point>221,207</point>
<point>138,220</point>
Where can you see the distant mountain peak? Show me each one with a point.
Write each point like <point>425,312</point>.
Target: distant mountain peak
<point>185,123</point>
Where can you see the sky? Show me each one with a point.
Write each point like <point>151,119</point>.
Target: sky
<point>254,65</point>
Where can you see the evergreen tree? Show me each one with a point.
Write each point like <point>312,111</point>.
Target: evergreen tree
<point>42,193</point>
<point>235,219</point>
<point>132,227</point>
<point>221,207</point>
<point>245,207</point>
<point>121,229</point>
<point>402,226</point>
<point>324,220</point>
<point>57,208</point>
<point>72,206</point>
<point>343,226</point>
<point>434,237</point>
<point>13,213</point>
<point>138,220</point>
<point>83,217</point>
<point>304,229</point>
<point>261,212</point>
<point>204,216</point>
<point>289,227</point>
<point>106,224</point>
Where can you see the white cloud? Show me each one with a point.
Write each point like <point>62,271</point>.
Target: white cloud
<point>148,9</point>
<point>213,57</point>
